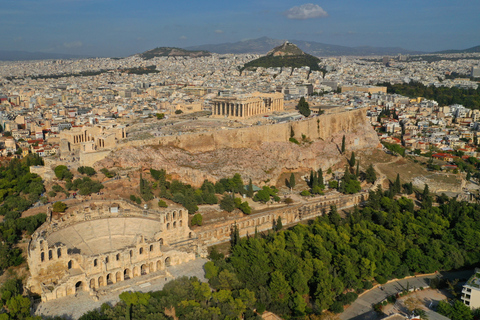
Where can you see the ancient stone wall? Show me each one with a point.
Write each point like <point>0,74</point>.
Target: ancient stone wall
<point>104,242</point>
<point>264,221</point>
<point>321,127</point>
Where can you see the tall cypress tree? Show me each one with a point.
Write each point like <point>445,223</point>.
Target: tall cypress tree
<point>321,183</point>
<point>396,185</point>
<point>343,144</point>
<point>352,160</point>
<point>292,181</point>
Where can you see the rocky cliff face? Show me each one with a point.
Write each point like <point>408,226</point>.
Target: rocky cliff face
<point>254,155</point>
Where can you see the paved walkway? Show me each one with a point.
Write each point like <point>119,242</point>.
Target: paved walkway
<point>361,309</point>
<point>73,307</point>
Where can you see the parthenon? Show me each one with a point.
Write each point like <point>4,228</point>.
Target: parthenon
<point>244,106</point>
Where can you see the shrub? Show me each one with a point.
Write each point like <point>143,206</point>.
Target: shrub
<point>178,111</point>
<point>381,279</point>
<point>197,219</point>
<point>108,174</point>
<point>162,204</point>
<point>52,194</point>
<point>305,193</point>
<point>294,140</point>
<point>89,171</point>
<point>59,207</point>
<point>367,285</point>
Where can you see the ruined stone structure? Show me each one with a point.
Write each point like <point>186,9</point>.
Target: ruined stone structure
<point>91,138</point>
<point>264,221</point>
<point>245,106</point>
<point>104,242</point>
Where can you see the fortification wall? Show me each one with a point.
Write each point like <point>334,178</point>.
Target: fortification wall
<point>321,127</point>
<point>264,221</point>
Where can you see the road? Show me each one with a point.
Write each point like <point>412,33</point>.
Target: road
<point>361,309</point>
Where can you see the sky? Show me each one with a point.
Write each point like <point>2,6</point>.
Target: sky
<point>118,28</point>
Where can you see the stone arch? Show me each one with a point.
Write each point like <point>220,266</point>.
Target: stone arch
<point>151,247</point>
<point>131,253</point>
<point>70,264</point>
<point>42,256</point>
<point>79,286</point>
<point>50,255</point>
<point>168,216</point>
<point>144,269</point>
<point>174,224</point>
<point>59,252</point>
<point>159,265</point>
<point>95,262</point>
<point>118,277</point>
<point>101,282</point>
<point>174,215</point>
<point>117,256</point>
<point>127,274</point>
<point>140,251</point>
<point>180,223</point>
<point>110,279</point>
<point>180,214</point>
<point>168,262</point>
<point>92,283</point>
<point>168,226</point>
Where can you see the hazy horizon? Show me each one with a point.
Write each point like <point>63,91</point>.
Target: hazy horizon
<point>121,28</point>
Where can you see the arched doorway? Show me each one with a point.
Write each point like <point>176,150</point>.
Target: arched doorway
<point>118,276</point>
<point>159,265</point>
<point>109,279</point>
<point>101,283</point>
<point>168,262</point>
<point>79,286</point>
<point>144,269</point>
<point>92,283</point>
<point>127,274</point>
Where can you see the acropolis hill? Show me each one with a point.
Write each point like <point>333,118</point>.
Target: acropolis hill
<point>259,152</point>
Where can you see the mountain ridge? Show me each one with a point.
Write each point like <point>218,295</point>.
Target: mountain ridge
<point>264,44</point>
<point>173,52</point>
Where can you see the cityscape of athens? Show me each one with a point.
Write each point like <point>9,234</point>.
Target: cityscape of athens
<point>256,160</point>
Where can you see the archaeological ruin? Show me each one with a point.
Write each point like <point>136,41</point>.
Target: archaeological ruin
<point>100,243</point>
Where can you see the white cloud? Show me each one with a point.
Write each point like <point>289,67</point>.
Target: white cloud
<point>306,11</point>
<point>183,38</point>
<point>74,44</point>
<point>218,31</point>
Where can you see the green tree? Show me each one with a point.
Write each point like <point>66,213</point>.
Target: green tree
<point>291,182</point>
<point>351,162</point>
<point>370,174</point>
<point>133,299</point>
<point>396,185</point>
<point>19,307</point>
<point>197,219</point>
<point>278,224</point>
<point>303,107</point>
<point>250,189</point>
<point>343,144</point>
<point>227,203</point>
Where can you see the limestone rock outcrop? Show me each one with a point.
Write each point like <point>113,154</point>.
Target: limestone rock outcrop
<point>261,153</point>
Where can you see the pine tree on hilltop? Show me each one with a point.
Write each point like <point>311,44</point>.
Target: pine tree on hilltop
<point>303,107</point>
